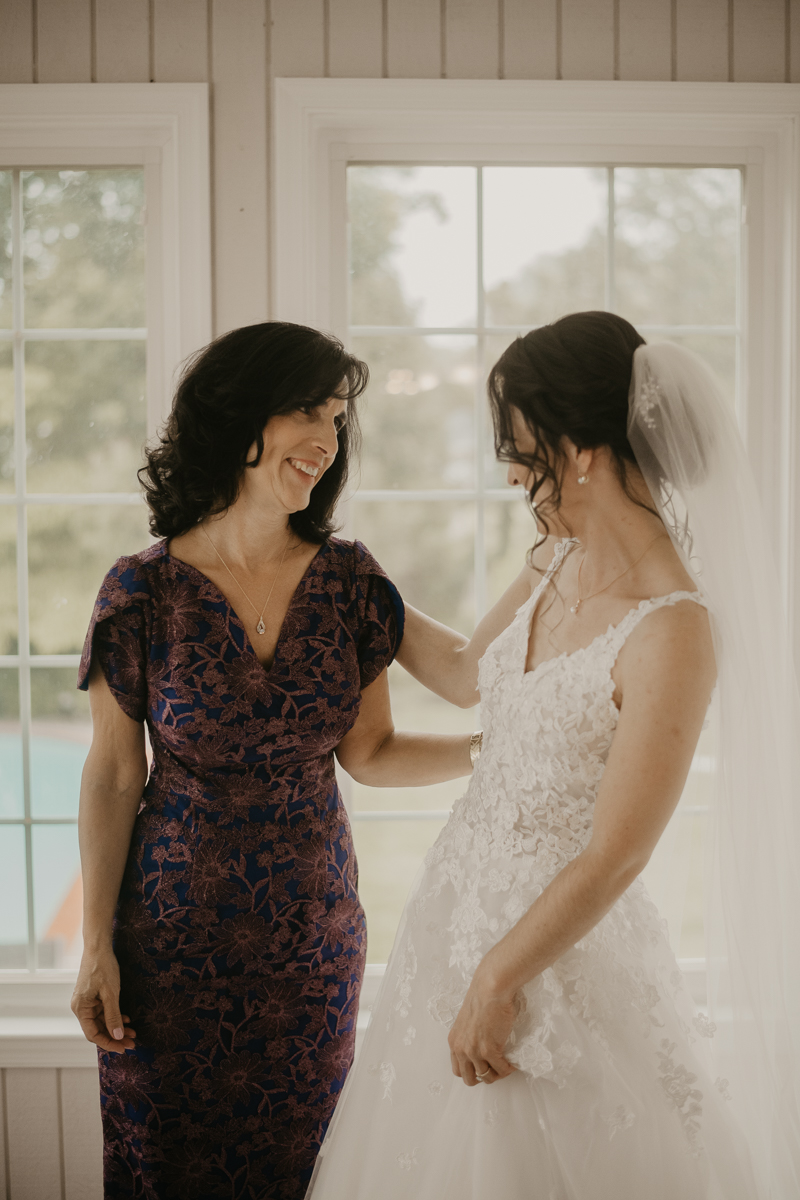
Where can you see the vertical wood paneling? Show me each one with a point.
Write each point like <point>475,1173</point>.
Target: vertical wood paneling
<point>33,1134</point>
<point>472,39</point>
<point>16,41</point>
<point>355,32</point>
<point>759,41</point>
<point>82,1134</point>
<point>297,41</point>
<point>645,39</point>
<point>794,41</point>
<point>239,180</point>
<point>530,50</point>
<point>65,41</point>
<point>122,33</point>
<point>587,39</point>
<point>3,1156</point>
<point>414,39</point>
<point>702,41</point>
<point>180,41</point>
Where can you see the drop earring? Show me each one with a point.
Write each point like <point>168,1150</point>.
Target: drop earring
<point>583,479</point>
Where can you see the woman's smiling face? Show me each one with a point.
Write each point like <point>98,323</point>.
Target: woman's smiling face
<point>299,447</point>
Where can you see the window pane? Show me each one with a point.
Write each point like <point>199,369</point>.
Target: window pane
<point>84,248</point>
<point>413,250</point>
<point>70,550</point>
<point>510,535</point>
<point>544,242</point>
<point>86,415</point>
<point>60,737</point>
<point>418,414</point>
<point>677,244</point>
<point>12,801</point>
<point>389,854</point>
<point>6,317</point>
<point>13,918</point>
<point>9,643</point>
<point>6,418</point>
<point>57,894</point>
<point>427,550</point>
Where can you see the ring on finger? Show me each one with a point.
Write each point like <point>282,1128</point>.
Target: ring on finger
<point>482,1074</point>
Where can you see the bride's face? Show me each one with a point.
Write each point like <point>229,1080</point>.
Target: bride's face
<point>520,475</point>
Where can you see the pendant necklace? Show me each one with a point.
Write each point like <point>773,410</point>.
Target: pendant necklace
<point>260,627</point>
<point>576,606</point>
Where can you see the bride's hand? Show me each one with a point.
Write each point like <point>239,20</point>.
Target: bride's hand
<point>479,1034</point>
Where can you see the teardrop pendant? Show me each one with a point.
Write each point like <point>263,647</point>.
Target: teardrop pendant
<point>261,627</point>
<point>574,607</point>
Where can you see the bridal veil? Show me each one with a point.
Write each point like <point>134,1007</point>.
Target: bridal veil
<point>688,447</point>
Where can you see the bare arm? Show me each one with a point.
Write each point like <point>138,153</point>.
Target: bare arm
<point>665,674</point>
<point>446,662</point>
<point>113,780</point>
<point>374,753</point>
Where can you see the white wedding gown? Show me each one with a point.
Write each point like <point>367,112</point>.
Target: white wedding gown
<point>614,1098</point>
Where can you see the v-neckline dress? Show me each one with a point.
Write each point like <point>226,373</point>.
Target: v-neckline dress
<point>614,1097</point>
<point>239,931</point>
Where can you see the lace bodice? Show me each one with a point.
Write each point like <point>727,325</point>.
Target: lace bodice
<point>547,733</point>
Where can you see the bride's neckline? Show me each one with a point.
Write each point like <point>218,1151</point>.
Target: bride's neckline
<point>560,552</point>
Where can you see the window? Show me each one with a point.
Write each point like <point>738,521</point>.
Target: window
<point>327,129</point>
<point>88,345</point>
<point>447,265</point>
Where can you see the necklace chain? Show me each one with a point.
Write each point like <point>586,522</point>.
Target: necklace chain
<point>574,608</point>
<point>260,627</point>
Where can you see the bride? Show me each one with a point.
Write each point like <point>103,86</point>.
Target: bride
<point>533,1036</point>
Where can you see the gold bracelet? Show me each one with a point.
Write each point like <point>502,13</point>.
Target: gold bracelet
<point>475,746</point>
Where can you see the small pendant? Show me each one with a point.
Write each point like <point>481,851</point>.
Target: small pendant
<point>574,607</point>
<point>261,627</point>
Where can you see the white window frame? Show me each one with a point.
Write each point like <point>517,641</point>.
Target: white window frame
<point>321,125</point>
<point>163,128</point>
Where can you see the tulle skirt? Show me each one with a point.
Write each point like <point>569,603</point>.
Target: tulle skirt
<point>614,1098</point>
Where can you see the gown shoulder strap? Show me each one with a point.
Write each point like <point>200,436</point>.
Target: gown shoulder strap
<point>619,634</point>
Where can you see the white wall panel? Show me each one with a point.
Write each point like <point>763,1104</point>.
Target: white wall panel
<point>355,32</point>
<point>759,41</point>
<point>64,41</point>
<point>239,175</point>
<point>587,39</point>
<point>82,1134</point>
<point>3,1157</point>
<point>180,41</point>
<point>32,1120</point>
<point>122,41</point>
<point>16,43</point>
<point>297,41</point>
<point>702,41</point>
<point>645,39</point>
<point>414,39</point>
<point>530,49</point>
<point>472,39</point>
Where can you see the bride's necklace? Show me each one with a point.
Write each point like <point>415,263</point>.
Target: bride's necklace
<point>581,599</point>
<point>260,627</point>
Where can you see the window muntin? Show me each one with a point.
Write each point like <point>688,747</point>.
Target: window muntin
<point>72,426</point>
<point>517,246</point>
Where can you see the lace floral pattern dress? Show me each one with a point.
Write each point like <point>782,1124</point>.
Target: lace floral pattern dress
<point>614,1098</point>
<point>239,932</point>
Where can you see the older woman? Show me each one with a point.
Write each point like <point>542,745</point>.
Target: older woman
<point>252,645</point>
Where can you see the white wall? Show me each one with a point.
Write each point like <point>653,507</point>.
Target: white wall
<point>49,1115</point>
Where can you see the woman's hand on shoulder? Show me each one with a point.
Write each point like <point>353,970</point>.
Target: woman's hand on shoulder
<point>95,1002</point>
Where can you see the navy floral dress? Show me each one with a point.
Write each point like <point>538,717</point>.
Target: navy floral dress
<point>239,932</point>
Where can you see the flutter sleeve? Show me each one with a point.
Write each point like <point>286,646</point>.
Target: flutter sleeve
<point>381,616</point>
<point>118,637</point>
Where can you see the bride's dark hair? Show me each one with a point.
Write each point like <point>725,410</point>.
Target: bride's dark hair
<point>569,379</point>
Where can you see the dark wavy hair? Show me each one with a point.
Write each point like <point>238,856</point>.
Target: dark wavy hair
<point>226,395</point>
<point>569,379</point>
